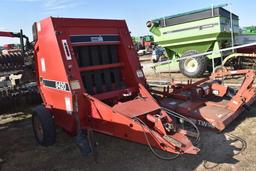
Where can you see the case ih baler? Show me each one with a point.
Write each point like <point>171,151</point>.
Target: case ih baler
<point>90,79</point>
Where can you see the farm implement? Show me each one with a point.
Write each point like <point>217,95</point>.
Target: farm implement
<point>90,79</point>
<point>209,102</point>
<point>17,79</point>
<point>198,41</point>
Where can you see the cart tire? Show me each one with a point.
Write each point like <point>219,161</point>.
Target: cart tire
<point>155,60</point>
<point>43,126</point>
<point>193,67</point>
<point>220,68</point>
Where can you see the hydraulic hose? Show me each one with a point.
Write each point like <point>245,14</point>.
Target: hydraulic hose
<point>177,115</point>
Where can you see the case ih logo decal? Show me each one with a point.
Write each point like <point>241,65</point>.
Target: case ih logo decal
<point>97,39</point>
<point>56,84</point>
<point>94,38</point>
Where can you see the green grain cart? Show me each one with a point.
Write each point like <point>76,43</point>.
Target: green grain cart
<point>194,33</point>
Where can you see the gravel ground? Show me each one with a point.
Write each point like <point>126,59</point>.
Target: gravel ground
<point>19,151</point>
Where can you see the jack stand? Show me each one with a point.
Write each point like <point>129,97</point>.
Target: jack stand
<point>83,142</point>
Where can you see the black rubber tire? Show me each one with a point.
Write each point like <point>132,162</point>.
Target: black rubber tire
<point>209,69</point>
<point>155,60</point>
<point>202,65</point>
<point>48,131</point>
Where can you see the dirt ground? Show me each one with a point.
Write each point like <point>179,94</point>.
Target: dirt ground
<point>234,149</point>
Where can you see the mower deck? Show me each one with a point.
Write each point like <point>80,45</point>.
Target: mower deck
<point>209,103</point>
<point>204,112</point>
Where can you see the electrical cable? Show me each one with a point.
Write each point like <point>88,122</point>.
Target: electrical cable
<point>236,138</point>
<point>142,124</point>
<point>209,167</point>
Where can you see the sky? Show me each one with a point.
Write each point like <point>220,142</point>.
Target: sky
<point>21,14</point>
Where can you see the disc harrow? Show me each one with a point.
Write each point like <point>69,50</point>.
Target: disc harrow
<point>14,98</point>
<point>10,62</point>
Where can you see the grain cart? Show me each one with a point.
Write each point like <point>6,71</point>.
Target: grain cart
<point>90,79</point>
<point>193,33</point>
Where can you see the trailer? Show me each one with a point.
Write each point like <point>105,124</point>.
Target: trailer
<point>247,35</point>
<point>90,79</point>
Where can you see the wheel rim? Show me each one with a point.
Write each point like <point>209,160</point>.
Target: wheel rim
<point>220,69</point>
<point>38,128</point>
<point>191,64</point>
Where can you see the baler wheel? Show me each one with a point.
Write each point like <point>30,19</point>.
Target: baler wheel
<point>43,126</point>
<point>193,67</point>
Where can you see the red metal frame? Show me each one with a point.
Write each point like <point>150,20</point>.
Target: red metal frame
<point>204,101</point>
<point>57,70</point>
<point>6,34</point>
